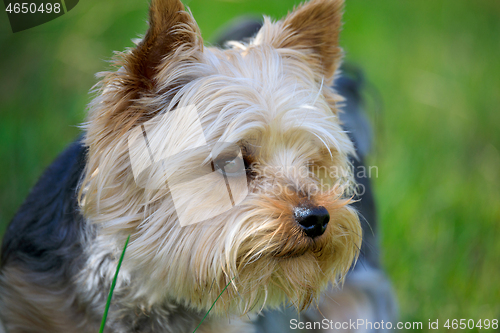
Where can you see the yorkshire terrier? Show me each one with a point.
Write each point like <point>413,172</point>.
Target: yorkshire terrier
<point>232,174</point>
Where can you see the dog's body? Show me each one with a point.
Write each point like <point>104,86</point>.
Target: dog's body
<point>287,238</point>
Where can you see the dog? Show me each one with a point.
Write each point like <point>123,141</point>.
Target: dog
<point>231,173</point>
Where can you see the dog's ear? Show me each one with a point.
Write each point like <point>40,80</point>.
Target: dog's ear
<point>125,99</point>
<point>171,31</point>
<point>313,27</point>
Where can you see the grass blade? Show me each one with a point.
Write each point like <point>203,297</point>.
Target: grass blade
<point>201,322</point>
<point>108,302</point>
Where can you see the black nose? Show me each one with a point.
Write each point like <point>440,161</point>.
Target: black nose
<point>313,220</point>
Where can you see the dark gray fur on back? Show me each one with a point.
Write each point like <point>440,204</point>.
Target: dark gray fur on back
<point>46,233</point>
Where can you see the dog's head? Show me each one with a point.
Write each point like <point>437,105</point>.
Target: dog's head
<point>225,165</point>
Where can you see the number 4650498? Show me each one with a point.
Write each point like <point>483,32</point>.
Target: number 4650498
<point>25,8</point>
<point>470,324</point>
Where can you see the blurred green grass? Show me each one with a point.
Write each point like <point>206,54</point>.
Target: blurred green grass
<point>436,65</point>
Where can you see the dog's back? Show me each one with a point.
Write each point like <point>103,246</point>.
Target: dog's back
<point>42,251</point>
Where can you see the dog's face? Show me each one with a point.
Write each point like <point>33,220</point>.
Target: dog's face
<point>258,120</point>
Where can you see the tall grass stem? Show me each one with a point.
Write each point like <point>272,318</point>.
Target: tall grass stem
<point>113,284</point>
<point>201,322</point>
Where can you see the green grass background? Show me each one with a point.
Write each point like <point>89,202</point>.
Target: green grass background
<point>436,66</point>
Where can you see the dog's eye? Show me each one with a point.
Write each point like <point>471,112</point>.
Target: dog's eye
<point>231,166</point>
<point>247,163</point>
